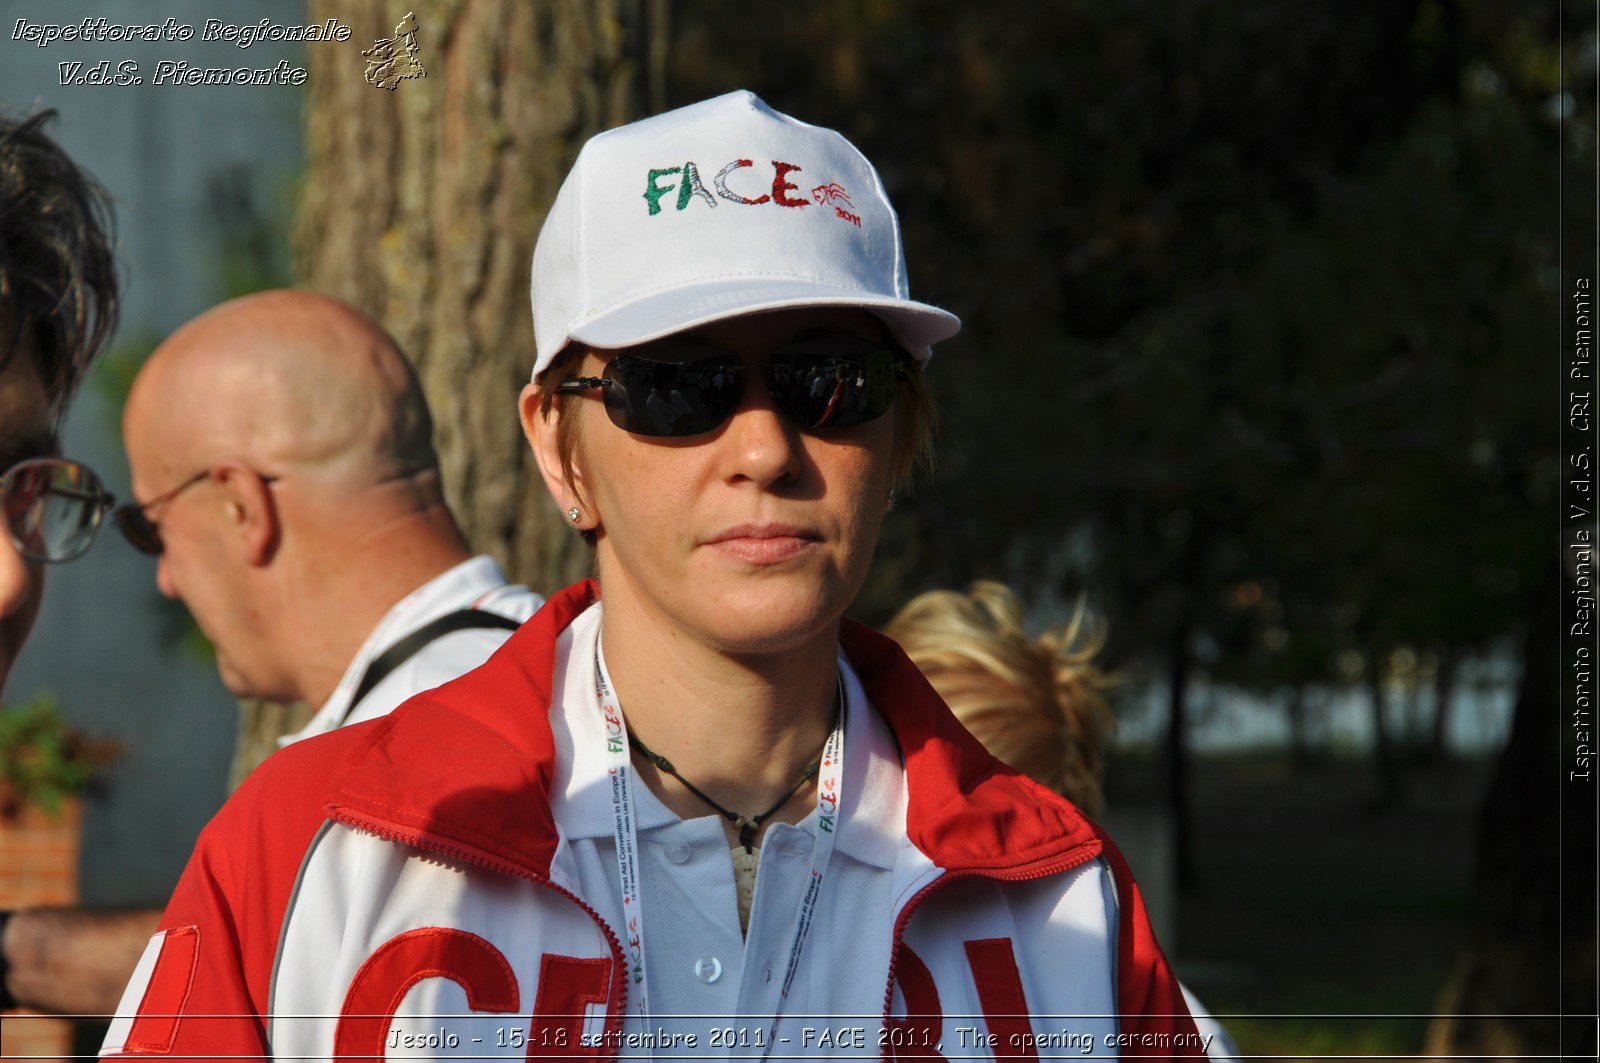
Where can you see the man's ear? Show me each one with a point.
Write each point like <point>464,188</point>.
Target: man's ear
<point>542,435</point>
<point>251,511</point>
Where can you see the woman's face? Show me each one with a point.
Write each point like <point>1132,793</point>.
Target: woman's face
<point>752,537</point>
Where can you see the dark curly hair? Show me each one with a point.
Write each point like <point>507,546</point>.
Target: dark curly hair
<point>58,280</point>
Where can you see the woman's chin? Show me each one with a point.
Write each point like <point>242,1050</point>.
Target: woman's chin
<point>773,616</point>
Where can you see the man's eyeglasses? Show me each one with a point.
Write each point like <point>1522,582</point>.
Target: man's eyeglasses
<point>143,533</point>
<point>53,507</point>
<point>134,523</point>
<point>677,387</point>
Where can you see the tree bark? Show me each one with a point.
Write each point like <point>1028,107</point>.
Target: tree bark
<point>1383,753</point>
<point>1444,690</point>
<point>1180,671</point>
<point>421,205</point>
<point>1299,741</point>
<point>1515,955</point>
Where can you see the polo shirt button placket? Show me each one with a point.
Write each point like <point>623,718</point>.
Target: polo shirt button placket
<point>676,852</point>
<point>708,969</point>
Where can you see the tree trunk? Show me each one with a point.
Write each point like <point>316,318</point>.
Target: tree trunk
<point>1180,662</point>
<point>1383,752</point>
<point>1444,689</point>
<point>1180,673</point>
<point>1513,962</point>
<point>421,205</point>
<point>1415,729</point>
<point>1299,741</point>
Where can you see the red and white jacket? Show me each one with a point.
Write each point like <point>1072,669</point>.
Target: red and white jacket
<point>390,886</point>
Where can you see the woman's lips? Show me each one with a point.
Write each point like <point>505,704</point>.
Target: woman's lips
<point>764,544</point>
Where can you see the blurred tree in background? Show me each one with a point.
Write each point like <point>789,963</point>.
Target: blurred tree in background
<point>421,205</point>
<point>1261,304</point>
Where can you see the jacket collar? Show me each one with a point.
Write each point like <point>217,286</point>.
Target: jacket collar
<point>471,764</point>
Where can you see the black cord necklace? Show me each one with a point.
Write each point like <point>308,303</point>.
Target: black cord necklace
<point>747,828</point>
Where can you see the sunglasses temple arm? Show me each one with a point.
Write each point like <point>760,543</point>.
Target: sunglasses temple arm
<point>581,383</point>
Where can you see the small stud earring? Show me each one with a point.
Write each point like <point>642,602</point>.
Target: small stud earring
<point>573,514</point>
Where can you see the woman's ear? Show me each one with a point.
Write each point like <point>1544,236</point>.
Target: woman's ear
<point>543,435</point>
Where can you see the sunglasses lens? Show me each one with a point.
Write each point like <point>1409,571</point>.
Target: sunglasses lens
<point>671,398</point>
<point>823,389</point>
<point>140,531</point>
<point>52,507</point>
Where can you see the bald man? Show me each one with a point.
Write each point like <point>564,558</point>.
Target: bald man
<point>284,473</point>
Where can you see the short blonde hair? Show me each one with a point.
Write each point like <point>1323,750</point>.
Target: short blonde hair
<point>1036,703</point>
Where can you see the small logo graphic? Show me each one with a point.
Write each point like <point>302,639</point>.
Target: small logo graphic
<point>390,62</point>
<point>613,730</point>
<point>834,193</point>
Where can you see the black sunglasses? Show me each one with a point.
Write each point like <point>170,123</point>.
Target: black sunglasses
<point>53,507</point>
<point>829,381</point>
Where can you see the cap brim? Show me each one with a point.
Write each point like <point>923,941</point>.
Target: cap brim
<point>915,326</point>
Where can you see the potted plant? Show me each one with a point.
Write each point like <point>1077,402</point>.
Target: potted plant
<point>45,764</point>
<point>45,761</point>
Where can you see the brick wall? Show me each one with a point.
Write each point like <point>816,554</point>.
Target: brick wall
<point>38,865</point>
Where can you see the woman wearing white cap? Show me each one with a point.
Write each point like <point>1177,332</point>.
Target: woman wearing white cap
<point>686,810</point>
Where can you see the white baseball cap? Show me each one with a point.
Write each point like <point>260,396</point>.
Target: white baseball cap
<point>717,210</point>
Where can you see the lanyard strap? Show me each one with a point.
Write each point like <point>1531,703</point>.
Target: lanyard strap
<point>830,790</point>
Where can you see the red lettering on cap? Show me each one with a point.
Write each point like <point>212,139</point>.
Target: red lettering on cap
<point>781,188</point>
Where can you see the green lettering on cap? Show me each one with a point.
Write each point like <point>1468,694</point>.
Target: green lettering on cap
<point>653,192</point>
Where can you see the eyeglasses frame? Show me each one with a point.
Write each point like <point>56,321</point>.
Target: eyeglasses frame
<point>130,512</point>
<point>101,500</point>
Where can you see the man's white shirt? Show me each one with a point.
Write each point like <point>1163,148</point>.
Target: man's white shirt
<point>479,583</point>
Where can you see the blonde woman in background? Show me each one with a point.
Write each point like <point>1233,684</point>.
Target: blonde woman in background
<point>1038,704</point>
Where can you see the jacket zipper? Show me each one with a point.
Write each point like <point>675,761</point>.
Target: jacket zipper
<point>1066,864</point>
<point>430,843</point>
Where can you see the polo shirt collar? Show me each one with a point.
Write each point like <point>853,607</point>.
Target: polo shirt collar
<point>871,828</point>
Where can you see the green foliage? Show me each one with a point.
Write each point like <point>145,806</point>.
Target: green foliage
<point>114,373</point>
<point>1258,304</point>
<point>44,760</point>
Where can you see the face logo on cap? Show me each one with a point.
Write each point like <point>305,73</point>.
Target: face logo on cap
<point>690,186</point>
<point>833,192</point>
